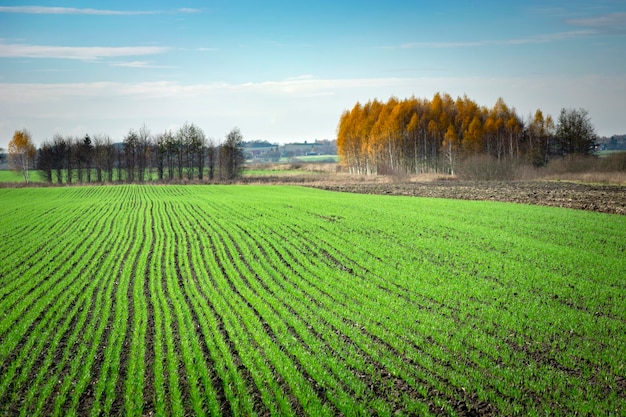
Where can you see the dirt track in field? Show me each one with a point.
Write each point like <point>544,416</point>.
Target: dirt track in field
<point>600,198</point>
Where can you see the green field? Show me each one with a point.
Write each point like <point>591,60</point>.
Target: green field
<point>250,172</point>
<point>604,154</point>
<point>243,300</point>
<point>13,176</point>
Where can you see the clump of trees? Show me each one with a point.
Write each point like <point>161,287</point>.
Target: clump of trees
<point>421,135</point>
<point>184,155</point>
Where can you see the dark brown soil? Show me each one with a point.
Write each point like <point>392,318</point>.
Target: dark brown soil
<point>600,198</point>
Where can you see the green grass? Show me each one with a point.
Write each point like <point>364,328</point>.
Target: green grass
<point>317,158</point>
<point>604,154</point>
<point>277,172</point>
<point>248,300</point>
<point>13,176</point>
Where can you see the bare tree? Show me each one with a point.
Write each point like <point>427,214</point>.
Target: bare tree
<point>118,151</point>
<point>86,153</point>
<point>45,160</point>
<point>575,133</point>
<point>60,149</point>
<point>160,154</point>
<point>171,150</point>
<point>130,152</point>
<point>231,155</point>
<point>143,152</point>
<point>200,148</point>
<point>211,157</point>
<point>103,158</point>
<point>68,159</point>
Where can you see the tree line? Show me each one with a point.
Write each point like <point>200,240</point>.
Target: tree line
<point>421,135</point>
<point>186,154</point>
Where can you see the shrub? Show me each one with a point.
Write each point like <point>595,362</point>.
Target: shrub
<point>486,168</point>
<point>615,162</point>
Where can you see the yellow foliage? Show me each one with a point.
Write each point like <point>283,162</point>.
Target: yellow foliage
<point>22,153</point>
<point>412,134</point>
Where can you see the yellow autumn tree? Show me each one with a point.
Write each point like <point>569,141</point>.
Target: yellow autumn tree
<point>473,138</point>
<point>513,129</point>
<point>450,147</point>
<point>22,153</point>
<point>417,135</point>
<point>372,110</point>
<point>381,134</point>
<point>412,130</point>
<point>539,133</point>
<point>349,142</point>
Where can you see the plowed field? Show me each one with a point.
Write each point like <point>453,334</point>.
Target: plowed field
<point>601,198</point>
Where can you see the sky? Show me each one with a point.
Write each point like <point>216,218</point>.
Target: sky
<point>284,71</point>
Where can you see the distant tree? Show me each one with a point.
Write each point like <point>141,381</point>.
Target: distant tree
<point>231,155</point>
<point>450,147</point>
<point>171,152</point>
<point>99,157</point>
<point>179,153</point>
<point>193,143</point>
<point>79,158</point>
<point>45,160</point>
<point>103,158</point>
<point>200,149</point>
<point>71,159</point>
<point>86,153</point>
<point>60,149</point>
<point>131,143</point>
<point>2,155</point>
<point>539,134</point>
<point>118,152</point>
<point>22,153</point>
<point>109,160</point>
<point>575,133</point>
<point>143,153</point>
<point>160,154</point>
<point>211,157</point>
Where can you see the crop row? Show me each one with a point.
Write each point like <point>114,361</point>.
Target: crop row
<point>288,301</point>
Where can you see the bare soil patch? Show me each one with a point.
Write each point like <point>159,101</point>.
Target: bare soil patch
<point>600,198</point>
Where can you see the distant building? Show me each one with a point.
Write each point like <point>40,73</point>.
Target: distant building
<point>300,149</point>
<point>264,151</point>
<point>261,150</point>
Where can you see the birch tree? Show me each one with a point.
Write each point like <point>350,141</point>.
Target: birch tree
<point>22,153</point>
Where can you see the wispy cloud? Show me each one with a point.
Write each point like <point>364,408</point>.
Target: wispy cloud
<point>86,11</point>
<point>84,53</point>
<point>70,10</point>
<point>189,10</point>
<point>544,38</point>
<point>139,64</point>
<point>305,86</point>
<point>303,109</point>
<point>609,23</point>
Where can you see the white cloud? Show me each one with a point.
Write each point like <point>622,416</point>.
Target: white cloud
<point>87,11</point>
<point>609,23</point>
<point>139,64</point>
<point>69,10</point>
<point>294,109</point>
<point>189,10</point>
<point>543,38</point>
<point>84,53</point>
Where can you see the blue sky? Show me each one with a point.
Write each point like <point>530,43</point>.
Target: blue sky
<point>285,70</point>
